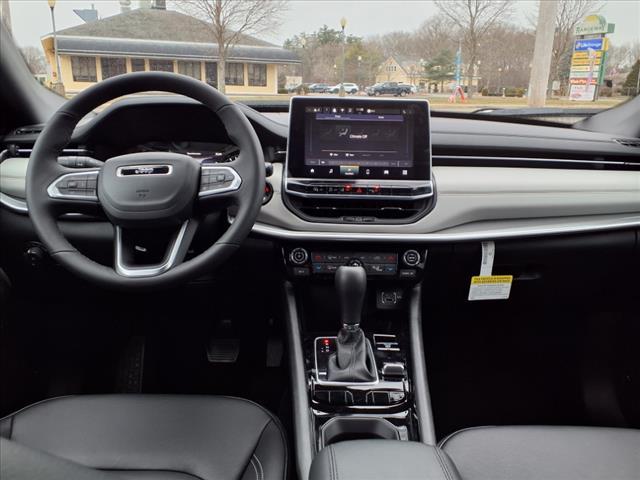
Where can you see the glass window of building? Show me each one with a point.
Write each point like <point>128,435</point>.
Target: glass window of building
<point>137,65</point>
<point>211,73</point>
<point>112,66</point>
<point>257,73</point>
<point>234,74</point>
<point>161,65</point>
<point>191,69</point>
<point>83,69</point>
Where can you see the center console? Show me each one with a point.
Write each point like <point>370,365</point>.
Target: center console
<point>358,160</point>
<point>353,310</point>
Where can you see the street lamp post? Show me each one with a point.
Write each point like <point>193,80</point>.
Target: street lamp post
<point>343,24</point>
<point>303,43</point>
<point>58,86</point>
<point>359,70</point>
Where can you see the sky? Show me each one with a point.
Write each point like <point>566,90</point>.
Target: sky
<point>31,18</point>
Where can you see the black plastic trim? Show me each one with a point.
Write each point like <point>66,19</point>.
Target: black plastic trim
<point>302,427</point>
<point>419,369</point>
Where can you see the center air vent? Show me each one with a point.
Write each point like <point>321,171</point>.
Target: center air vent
<point>358,211</point>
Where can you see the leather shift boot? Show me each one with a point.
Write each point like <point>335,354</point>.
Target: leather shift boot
<point>352,361</point>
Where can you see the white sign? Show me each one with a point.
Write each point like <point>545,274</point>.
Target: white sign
<point>582,93</point>
<point>487,286</point>
<point>292,82</point>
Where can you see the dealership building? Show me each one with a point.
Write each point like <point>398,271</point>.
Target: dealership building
<point>161,40</point>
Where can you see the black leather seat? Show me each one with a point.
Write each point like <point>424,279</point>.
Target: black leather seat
<point>536,453</point>
<point>156,436</point>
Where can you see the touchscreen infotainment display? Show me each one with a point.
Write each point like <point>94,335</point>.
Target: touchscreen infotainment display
<point>336,138</point>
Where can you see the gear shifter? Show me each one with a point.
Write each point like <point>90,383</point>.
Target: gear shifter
<point>353,360</point>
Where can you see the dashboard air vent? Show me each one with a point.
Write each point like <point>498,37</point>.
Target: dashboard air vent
<point>628,142</point>
<point>279,154</point>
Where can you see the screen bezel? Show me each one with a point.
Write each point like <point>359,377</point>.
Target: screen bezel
<point>295,162</point>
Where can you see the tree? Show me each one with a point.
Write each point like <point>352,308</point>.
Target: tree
<point>436,34</point>
<point>34,59</point>
<point>631,83</point>
<point>440,68</point>
<point>474,18</point>
<point>321,54</point>
<point>231,20</point>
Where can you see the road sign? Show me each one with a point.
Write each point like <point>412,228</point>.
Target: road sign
<point>592,24</point>
<point>589,43</point>
<point>583,68</point>
<point>582,81</point>
<point>585,55</point>
<point>582,93</point>
<point>584,61</point>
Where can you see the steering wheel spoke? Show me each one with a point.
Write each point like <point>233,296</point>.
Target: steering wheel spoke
<point>74,191</point>
<point>129,247</point>
<point>219,186</point>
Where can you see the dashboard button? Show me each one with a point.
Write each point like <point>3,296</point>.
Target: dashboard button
<point>411,258</point>
<point>298,256</point>
<point>408,273</point>
<point>301,271</point>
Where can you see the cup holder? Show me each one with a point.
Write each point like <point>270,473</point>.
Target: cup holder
<point>340,429</point>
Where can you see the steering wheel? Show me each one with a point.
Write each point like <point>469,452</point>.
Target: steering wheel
<point>151,190</point>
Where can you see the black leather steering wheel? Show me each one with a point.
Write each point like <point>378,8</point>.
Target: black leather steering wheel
<point>162,190</point>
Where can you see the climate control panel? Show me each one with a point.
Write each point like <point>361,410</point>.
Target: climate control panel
<point>401,263</point>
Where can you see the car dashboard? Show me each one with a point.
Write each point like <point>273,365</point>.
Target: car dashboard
<point>491,179</point>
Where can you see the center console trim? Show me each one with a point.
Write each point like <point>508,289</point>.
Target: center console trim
<point>427,184</point>
<point>337,384</point>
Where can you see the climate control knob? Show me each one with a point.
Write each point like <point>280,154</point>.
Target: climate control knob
<point>411,258</point>
<point>298,256</point>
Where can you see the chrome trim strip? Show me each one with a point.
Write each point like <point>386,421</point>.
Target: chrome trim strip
<point>235,184</point>
<point>283,234</point>
<point>64,150</point>
<point>150,270</point>
<point>17,205</point>
<point>120,174</point>
<point>53,191</point>
<point>529,159</point>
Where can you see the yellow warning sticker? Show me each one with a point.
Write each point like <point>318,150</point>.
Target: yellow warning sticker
<point>490,287</point>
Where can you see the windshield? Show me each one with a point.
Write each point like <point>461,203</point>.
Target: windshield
<point>558,61</point>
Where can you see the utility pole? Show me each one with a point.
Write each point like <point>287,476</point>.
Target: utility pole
<point>57,86</point>
<point>537,94</point>
<point>5,14</point>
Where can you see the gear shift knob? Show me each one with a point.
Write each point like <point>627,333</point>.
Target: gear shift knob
<point>351,285</point>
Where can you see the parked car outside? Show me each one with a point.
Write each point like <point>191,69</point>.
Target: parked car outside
<point>389,88</point>
<point>300,88</point>
<point>348,87</point>
<point>414,88</point>
<point>319,87</point>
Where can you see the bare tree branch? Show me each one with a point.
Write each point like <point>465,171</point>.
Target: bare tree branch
<point>231,20</point>
<point>474,19</point>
